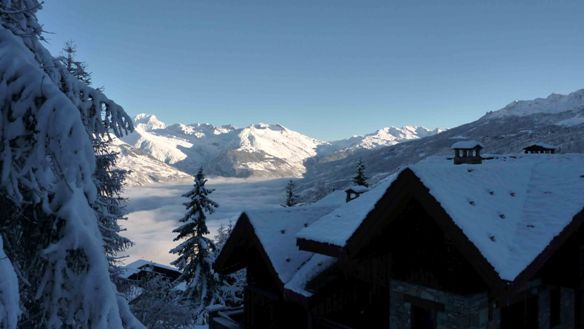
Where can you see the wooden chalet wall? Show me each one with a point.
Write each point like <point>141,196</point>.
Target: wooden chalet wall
<point>412,275</point>
<point>401,265</point>
<point>563,278</point>
<point>264,305</point>
<point>411,268</point>
<point>346,302</point>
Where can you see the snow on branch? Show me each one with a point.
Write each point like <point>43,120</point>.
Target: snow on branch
<point>9,298</point>
<point>46,158</point>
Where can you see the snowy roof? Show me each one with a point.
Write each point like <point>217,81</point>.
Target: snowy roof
<point>469,144</point>
<point>338,226</point>
<point>510,208</point>
<point>313,267</point>
<point>276,230</point>
<point>357,188</point>
<point>142,264</point>
<point>544,145</point>
<point>336,198</point>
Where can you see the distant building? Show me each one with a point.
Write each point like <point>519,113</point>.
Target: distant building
<point>467,152</point>
<point>540,148</point>
<point>497,245</point>
<point>143,269</point>
<point>354,192</point>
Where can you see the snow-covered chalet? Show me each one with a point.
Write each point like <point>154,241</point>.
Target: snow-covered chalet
<point>498,244</point>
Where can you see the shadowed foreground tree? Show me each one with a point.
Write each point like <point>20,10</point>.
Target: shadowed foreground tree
<point>49,229</point>
<point>109,180</point>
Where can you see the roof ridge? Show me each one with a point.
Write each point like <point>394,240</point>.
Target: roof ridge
<point>522,214</point>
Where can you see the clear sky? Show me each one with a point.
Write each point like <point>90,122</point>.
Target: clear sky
<point>327,68</point>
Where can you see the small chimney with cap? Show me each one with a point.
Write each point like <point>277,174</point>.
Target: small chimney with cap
<point>468,151</point>
<point>355,191</point>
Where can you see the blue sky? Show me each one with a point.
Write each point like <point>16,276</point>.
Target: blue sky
<point>327,68</point>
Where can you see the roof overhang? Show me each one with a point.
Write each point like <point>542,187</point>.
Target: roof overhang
<point>408,186</point>
<point>233,256</point>
<point>319,247</point>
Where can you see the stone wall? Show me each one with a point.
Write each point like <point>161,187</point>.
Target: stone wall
<point>457,312</point>
<point>469,312</point>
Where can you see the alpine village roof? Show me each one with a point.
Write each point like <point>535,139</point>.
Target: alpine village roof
<point>510,211</point>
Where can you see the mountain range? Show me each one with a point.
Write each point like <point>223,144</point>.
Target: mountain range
<point>556,119</point>
<point>156,151</point>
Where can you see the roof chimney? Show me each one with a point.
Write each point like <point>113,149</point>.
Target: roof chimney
<point>355,191</point>
<point>467,152</point>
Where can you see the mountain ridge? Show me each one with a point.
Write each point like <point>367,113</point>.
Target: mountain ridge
<point>258,150</point>
<point>272,150</point>
<point>556,120</point>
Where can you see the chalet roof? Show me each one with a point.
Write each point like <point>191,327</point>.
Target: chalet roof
<point>468,144</point>
<point>141,265</point>
<point>308,271</point>
<point>338,226</point>
<point>357,189</point>
<point>510,207</point>
<point>543,145</point>
<point>276,230</point>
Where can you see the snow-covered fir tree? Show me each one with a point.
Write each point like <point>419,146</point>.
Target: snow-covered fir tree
<point>110,205</point>
<point>109,179</point>
<point>290,196</point>
<point>76,68</point>
<point>49,230</point>
<point>195,258</point>
<point>360,178</point>
<point>160,305</point>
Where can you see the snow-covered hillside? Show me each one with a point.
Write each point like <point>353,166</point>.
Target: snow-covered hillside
<point>384,137</point>
<point>144,169</point>
<point>259,150</point>
<point>557,120</point>
<point>553,104</point>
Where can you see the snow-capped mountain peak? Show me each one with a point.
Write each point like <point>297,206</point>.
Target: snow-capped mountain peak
<point>553,104</point>
<point>260,149</point>
<point>148,122</point>
<point>384,137</point>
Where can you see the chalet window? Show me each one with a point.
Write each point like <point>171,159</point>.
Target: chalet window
<point>555,308</point>
<point>523,314</point>
<point>423,318</point>
<point>423,313</point>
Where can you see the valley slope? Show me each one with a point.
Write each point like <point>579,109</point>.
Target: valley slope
<point>557,120</point>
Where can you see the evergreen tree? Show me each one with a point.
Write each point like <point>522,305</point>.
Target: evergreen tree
<point>49,229</point>
<point>76,68</point>
<point>160,305</point>
<point>109,180</point>
<point>360,178</point>
<point>110,205</point>
<point>290,196</point>
<point>195,258</point>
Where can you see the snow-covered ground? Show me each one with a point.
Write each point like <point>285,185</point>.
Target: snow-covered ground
<point>154,211</point>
